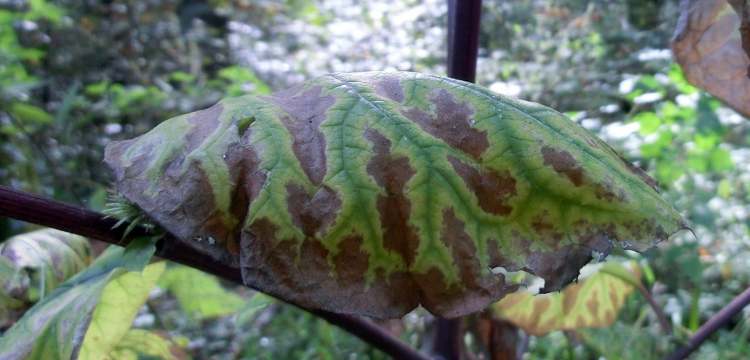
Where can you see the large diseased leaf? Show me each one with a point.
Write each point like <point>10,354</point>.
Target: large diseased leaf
<point>372,193</point>
<point>708,46</point>
<point>55,327</point>
<point>594,302</point>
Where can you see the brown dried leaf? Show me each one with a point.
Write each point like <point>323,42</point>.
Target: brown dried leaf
<point>708,46</point>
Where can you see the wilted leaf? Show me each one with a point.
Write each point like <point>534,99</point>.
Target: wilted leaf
<point>117,307</point>
<point>142,344</point>
<point>371,193</point>
<point>47,257</point>
<point>708,46</point>
<point>200,295</point>
<point>593,302</point>
<point>55,327</point>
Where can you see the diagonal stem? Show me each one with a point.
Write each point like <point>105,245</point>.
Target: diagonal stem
<point>38,210</point>
<point>714,323</point>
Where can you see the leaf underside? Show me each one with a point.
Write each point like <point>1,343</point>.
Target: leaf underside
<point>372,193</point>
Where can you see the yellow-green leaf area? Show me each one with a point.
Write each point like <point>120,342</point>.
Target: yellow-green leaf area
<point>118,305</point>
<point>593,302</point>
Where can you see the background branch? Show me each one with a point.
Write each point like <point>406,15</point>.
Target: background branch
<point>42,211</point>
<point>714,323</point>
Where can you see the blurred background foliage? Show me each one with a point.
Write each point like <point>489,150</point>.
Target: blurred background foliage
<point>76,74</point>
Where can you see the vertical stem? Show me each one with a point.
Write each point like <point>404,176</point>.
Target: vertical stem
<point>447,342</point>
<point>463,44</point>
<point>463,38</point>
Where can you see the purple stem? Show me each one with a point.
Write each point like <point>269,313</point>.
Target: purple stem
<point>714,323</point>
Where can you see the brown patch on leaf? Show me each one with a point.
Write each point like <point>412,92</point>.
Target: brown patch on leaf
<point>351,262</point>
<point>492,189</point>
<point>302,275</point>
<point>541,306</point>
<point>564,164</point>
<point>606,191</point>
<point>544,226</point>
<point>307,110</point>
<point>392,173</point>
<point>593,304</point>
<point>570,298</point>
<point>389,86</point>
<point>477,289</point>
<point>204,122</point>
<point>452,123</point>
<point>244,169</point>
<point>462,248</point>
<point>312,213</point>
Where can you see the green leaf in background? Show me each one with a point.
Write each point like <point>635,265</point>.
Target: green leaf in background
<point>648,122</point>
<point>48,257</point>
<point>30,114</point>
<point>55,327</point>
<point>200,295</point>
<point>140,344</point>
<point>721,160</point>
<point>240,76</point>
<point>593,302</point>
<point>118,306</point>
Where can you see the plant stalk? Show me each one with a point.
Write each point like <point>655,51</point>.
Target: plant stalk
<point>712,325</point>
<point>46,212</point>
<point>463,38</point>
<point>463,44</point>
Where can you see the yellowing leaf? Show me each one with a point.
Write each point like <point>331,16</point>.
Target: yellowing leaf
<point>593,302</point>
<point>118,306</point>
<point>142,344</point>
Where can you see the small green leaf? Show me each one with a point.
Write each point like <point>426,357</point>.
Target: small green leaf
<point>724,189</point>
<point>721,160</point>
<point>649,122</point>
<point>30,114</point>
